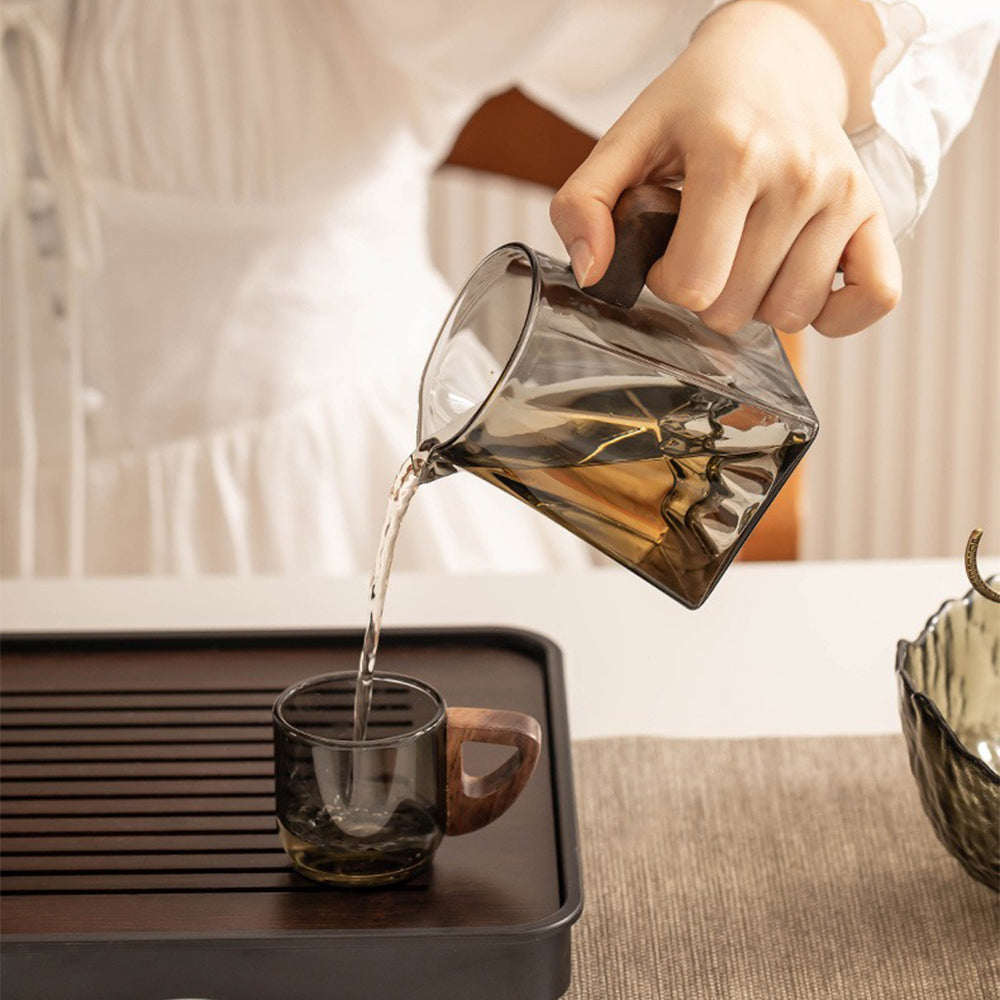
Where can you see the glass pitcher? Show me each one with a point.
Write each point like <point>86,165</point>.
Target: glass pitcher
<point>622,418</point>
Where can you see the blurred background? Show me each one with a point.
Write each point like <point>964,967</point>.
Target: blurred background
<point>908,457</point>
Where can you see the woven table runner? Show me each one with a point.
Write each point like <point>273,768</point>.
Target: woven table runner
<point>769,869</point>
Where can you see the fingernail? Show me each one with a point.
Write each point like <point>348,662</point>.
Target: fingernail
<point>581,259</point>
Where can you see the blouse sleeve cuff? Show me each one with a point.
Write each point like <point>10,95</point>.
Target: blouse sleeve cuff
<point>925,83</point>
<point>900,151</point>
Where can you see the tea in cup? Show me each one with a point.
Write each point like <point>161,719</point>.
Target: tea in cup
<point>374,811</point>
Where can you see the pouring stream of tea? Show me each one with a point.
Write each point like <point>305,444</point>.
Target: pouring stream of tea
<point>404,486</point>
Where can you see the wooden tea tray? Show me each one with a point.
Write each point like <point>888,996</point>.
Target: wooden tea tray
<point>139,849</point>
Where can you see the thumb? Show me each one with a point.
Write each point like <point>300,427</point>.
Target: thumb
<point>581,208</point>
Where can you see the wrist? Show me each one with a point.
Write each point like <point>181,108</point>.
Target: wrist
<point>829,44</point>
<point>854,32</point>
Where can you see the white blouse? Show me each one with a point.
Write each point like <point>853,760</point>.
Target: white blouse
<point>217,292</point>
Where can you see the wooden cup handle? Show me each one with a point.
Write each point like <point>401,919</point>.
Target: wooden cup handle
<point>644,219</point>
<point>475,801</point>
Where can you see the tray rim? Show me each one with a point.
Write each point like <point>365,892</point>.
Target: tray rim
<point>561,781</point>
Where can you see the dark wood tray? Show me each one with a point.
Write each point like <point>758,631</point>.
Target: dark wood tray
<point>139,846</point>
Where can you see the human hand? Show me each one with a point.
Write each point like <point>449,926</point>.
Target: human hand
<point>751,116</point>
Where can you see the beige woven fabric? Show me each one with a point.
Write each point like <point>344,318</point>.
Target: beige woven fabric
<point>770,869</point>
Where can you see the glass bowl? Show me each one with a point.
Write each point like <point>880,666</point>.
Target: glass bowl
<point>949,703</point>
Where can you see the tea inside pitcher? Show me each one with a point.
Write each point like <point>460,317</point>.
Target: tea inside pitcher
<point>662,475</point>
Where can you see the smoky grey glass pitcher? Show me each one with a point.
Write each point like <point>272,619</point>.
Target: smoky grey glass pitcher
<point>622,418</point>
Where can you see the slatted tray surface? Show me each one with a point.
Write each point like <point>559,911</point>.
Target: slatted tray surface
<point>138,790</point>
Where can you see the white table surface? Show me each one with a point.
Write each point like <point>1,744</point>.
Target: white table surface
<point>778,649</point>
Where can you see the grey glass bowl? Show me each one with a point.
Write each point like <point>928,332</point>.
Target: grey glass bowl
<point>949,703</point>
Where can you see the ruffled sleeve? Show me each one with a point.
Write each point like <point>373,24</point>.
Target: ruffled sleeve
<point>925,85</point>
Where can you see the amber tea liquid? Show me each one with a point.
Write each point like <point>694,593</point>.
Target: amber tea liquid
<point>662,476</point>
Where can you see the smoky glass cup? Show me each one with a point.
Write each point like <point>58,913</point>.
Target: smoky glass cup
<point>373,812</point>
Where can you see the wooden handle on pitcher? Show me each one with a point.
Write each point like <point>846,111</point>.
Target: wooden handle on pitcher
<point>644,219</point>
<point>473,802</point>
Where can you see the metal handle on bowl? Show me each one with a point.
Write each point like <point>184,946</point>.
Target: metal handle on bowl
<point>972,570</point>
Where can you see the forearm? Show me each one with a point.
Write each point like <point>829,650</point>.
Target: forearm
<point>838,40</point>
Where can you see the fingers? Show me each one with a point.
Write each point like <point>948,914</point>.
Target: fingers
<point>698,261</point>
<point>872,281</point>
<point>581,208</point>
<point>803,282</point>
<point>770,231</point>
